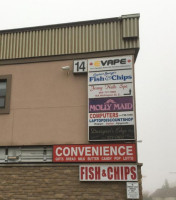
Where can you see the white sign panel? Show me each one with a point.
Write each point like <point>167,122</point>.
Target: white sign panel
<point>110,90</point>
<point>108,173</point>
<point>110,63</point>
<point>80,66</point>
<point>111,118</point>
<point>106,77</point>
<point>132,190</point>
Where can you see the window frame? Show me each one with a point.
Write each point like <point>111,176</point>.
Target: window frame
<point>8,78</point>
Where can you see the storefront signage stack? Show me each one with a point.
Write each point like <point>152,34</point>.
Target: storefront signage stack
<point>111,118</point>
<point>110,99</point>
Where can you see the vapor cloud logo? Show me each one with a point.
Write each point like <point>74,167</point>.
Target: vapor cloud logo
<point>95,64</point>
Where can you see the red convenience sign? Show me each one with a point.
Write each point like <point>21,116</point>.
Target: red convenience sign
<point>108,173</point>
<point>95,153</point>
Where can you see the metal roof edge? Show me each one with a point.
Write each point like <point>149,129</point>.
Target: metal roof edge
<point>71,24</point>
<point>85,55</point>
<point>62,25</point>
<point>54,164</point>
<point>137,15</point>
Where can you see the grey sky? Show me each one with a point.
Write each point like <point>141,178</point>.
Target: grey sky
<point>155,67</point>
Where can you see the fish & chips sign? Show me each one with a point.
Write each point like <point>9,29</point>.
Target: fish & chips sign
<point>108,173</point>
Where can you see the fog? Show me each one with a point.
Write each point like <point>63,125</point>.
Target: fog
<point>155,68</point>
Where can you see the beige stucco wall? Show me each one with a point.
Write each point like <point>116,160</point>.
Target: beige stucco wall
<point>47,105</point>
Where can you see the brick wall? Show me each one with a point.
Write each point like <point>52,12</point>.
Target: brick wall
<point>54,181</point>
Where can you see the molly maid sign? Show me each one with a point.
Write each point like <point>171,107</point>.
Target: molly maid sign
<point>114,104</point>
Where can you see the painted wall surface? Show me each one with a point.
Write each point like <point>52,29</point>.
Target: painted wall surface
<point>47,105</point>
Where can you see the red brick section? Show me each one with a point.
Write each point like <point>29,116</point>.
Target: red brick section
<point>54,181</point>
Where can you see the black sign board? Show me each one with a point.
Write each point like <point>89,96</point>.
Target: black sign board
<point>103,133</point>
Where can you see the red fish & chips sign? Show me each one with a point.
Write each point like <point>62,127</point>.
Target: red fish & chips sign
<point>95,153</point>
<point>108,173</point>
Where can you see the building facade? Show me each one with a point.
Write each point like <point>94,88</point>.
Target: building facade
<point>45,110</point>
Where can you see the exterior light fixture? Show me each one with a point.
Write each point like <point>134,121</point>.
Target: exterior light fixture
<point>66,68</point>
<point>13,157</point>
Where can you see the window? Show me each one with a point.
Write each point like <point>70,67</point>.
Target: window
<point>5,90</point>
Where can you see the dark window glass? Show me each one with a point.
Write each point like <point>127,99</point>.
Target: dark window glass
<point>3,86</point>
<point>5,91</point>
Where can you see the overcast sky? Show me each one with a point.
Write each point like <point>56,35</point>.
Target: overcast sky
<point>155,67</point>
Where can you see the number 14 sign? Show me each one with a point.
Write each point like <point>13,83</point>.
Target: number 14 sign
<point>80,66</point>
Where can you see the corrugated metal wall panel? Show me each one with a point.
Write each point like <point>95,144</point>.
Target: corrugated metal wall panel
<point>2,155</point>
<point>130,28</point>
<point>102,36</point>
<point>25,154</point>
